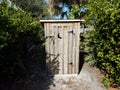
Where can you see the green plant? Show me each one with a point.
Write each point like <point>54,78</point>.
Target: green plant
<point>18,32</point>
<point>104,39</point>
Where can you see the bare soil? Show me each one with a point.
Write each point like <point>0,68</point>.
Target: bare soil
<point>37,78</point>
<point>88,79</point>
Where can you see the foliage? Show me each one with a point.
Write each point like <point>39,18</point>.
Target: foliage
<point>104,39</point>
<point>37,8</point>
<point>78,12</point>
<point>18,32</point>
<point>75,12</point>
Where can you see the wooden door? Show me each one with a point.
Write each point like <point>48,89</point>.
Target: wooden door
<point>62,45</point>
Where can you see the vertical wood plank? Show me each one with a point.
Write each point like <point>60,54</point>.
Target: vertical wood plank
<point>51,43</point>
<point>54,52</point>
<point>63,71</point>
<point>60,48</point>
<point>65,48</point>
<point>77,46</point>
<point>56,56</point>
<point>47,47</point>
<point>45,28</point>
<point>73,47</point>
<point>70,49</point>
<point>69,40</point>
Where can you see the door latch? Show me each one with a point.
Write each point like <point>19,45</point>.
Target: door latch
<point>50,36</point>
<point>72,32</point>
<point>70,63</point>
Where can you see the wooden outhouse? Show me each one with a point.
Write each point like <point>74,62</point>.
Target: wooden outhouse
<point>62,46</point>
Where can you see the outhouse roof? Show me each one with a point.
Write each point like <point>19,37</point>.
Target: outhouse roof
<point>51,21</point>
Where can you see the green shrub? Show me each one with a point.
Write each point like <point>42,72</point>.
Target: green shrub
<point>104,39</point>
<point>18,31</point>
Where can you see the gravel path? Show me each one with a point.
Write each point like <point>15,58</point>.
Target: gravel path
<point>37,79</point>
<point>88,79</point>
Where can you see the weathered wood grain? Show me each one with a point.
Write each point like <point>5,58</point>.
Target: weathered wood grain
<point>77,47</point>
<point>70,49</point>
<point>73,47</point>
<point>62,46</point>
<point>47,46</point>
<point>65,47</point>
<point>56,55</point>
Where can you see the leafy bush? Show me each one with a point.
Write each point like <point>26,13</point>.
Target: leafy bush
<point>104,39</point>
<point>18,31</point>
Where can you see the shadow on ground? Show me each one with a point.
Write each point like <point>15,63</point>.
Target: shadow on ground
<point>35,76</point>
<point>81,59</point>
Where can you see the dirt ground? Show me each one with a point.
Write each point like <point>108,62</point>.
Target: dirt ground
<point>36,78</point>
<point>88,79</point>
